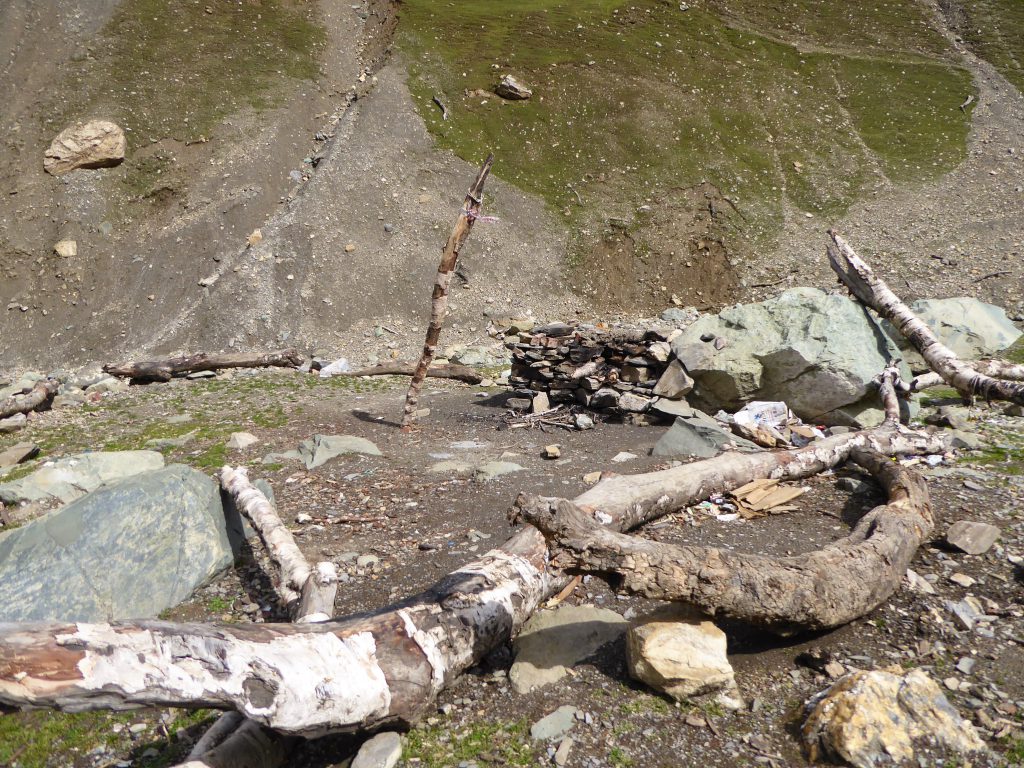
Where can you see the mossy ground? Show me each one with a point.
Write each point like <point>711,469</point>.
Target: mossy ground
<point>995,30</point>
<point>173,69</point>
<point>633,99</point>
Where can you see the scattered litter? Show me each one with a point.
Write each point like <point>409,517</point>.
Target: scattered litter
<point>341,365</point>
<point>765,497</point>
<point>771,423</point>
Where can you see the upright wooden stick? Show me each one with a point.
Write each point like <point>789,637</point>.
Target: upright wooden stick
<point>439,299</point>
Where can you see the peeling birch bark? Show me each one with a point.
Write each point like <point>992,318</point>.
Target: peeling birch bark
<point>997,369</point>
<point>818,590</point>
<point>310,592</point>
<point>439,298</point>
<point>165,370</point>
<point>41,393</point>
<point>870,290</point>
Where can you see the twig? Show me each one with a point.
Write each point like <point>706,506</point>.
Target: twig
<point>967,103</point>
<point>1000,273</point>
<point>573,190</point>
<point>444,109</point>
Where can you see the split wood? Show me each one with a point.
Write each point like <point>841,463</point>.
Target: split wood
<point>872,291</point>
<point>40,394</point>
<point>439,298</point>
<point>165,370</point>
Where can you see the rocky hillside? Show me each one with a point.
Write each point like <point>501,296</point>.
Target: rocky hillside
<point>289,175</point>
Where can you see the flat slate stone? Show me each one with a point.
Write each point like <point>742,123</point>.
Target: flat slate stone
<point>553,641</point>
<point>128,550</point>
<point>698,436</point>
<point>323,448</point>
<point>971,537</point>
<point>382,751</point>
<point>556,725</point>
<point>72,477</point>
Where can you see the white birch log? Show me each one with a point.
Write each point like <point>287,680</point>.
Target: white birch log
<point>997,369</point>
<point>869,289</point>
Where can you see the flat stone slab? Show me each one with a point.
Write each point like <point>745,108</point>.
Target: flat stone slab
<point>72,477</point>
<point>128,550</point>
<point>556,725</point>
<point>323,448</point>
<point>698,436</point>
<point>492,469</point>
<point>971,537</point>
<point>17,453</point>
<point>553,641</point>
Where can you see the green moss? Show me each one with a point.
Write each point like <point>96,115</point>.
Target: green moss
<point>995,30</point>
<point>1015,353</point>
<point>438,746</point>
<point>618,757</point>
<point>635,98</point>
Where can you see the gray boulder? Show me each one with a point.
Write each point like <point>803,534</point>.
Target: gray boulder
<point>816,352</point>
<point>698,435</point>
<point>128,550</point>
<point>971,328</point>
<point>72,477</point>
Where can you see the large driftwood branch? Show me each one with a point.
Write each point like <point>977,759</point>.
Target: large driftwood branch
<point>439,298</point>
<point>869,289</point>
<point>451,371</point>
<point>369,670</point>
<point>40,394</point>
<point>310,592</point>
<point>165,370</point>
<point>818,590</point>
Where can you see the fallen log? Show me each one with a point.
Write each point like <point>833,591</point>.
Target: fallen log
<point>375,669</point>
<point>309,592</point>
<point>871,291</point>
<point>439,297</point>
<point>165,370</point>
<point>997,369</point>
<point>40,394</point>
<point>818,590</point>
<point>457,372</point>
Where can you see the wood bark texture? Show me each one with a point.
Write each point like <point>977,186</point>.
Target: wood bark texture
<point>818,590</point>
<point>165,370</point>
<point>40,394</point>
<point>451,371</point>
<point>869,289</point>
<point>439,298</point>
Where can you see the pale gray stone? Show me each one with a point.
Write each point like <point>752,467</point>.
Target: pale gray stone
<point>382,751</point>
<point>323,448</point>
<point>556,725</point>
<point>239,441</point>
<point>972,537</point>
<point>698,436</point>
<point>17,453</point>
<point>553,641</point>
<point>492,469</point>
<point>674,382</point>
<point>13,423</point>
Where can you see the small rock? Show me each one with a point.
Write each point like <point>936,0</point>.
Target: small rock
<point>852,485</point>
<point>919,584</point>
<point>541,402</point>
<point>622,456</point>
<point>965,440</point>
<point>241,440</point>
<point>972,537</point>
<point>952,416</point>
<point>17,453</point>
<point>962,579</point>
<point>553,451</point>
<point>582,421</point>
<point>874,718</point>
<point>66,249</point>
<point>13,423</point>
<point>510,88</point>
<point>382,751</point>
<point>350,247</point>
<point>562,753</point>
<point>591,477</point>
<point>680,652</point>
<point>554,726</point>
<point>302,518</point>
<point>367,561</point>
<point>95,144</point>
<point>674,382</point>
<point>966,665</point>
<point>631,402</point>
<point>254,238</point>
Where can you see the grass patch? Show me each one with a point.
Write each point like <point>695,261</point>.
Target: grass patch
<point>437,746</point>
<point>995,30</point>
<point>635,98</point>
<point>1015,352</point>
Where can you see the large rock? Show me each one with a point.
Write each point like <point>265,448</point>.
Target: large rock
<point>971,328</point>
<point>698,435</point>
<point>680,652</point>
<point>876,718</point>
<point>815,351</point>
<point>72,477</point>
<point>553,641</point>
<point>95,144</point>
<point>128,550</point>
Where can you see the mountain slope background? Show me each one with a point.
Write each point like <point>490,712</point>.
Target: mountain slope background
<point>697,150</point>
